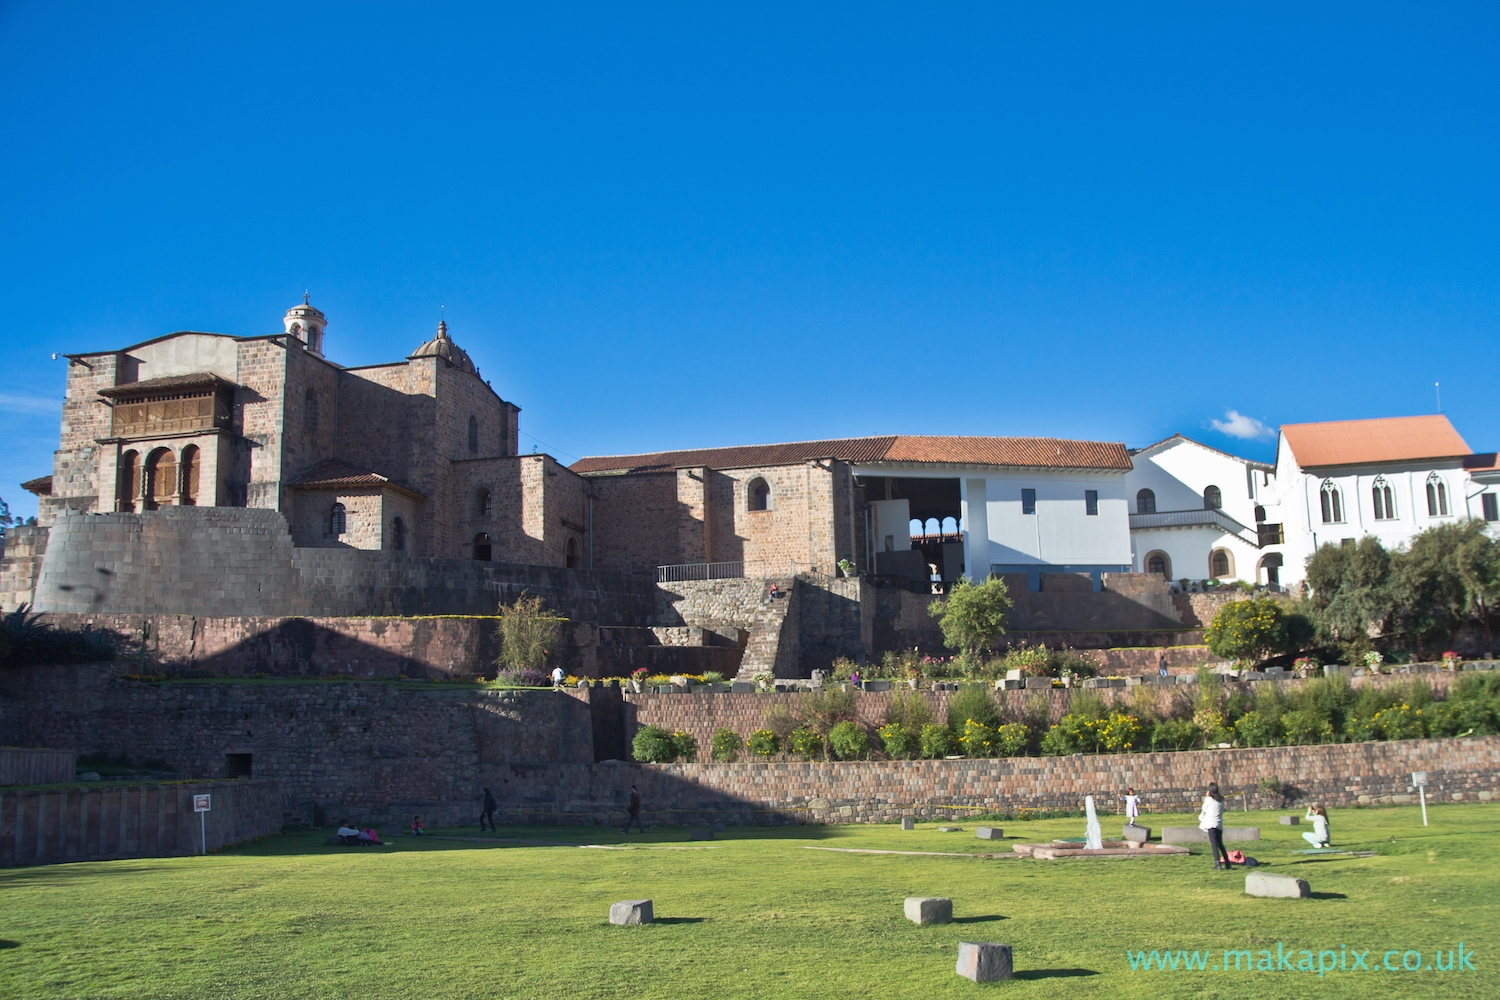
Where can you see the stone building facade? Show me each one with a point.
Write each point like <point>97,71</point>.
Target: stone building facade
<point>415,456</point>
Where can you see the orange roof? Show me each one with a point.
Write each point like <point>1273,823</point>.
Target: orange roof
<point>1048,453</point>
<point>334,473</point>
<point>1388,439</point>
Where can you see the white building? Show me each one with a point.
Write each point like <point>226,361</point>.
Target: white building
<point>1202,514</point>
<point>1198,513</point>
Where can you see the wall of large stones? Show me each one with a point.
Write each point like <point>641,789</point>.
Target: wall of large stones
<point>260,415</point>
<point>85,420</point>
<point>375,751</point>
<point>777,792</point>
<point>635,522</point>
<point>311,411</point>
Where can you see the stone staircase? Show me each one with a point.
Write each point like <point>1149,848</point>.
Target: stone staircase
<point>773,633</point>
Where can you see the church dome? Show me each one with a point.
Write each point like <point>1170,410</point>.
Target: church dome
<point>443,347</point>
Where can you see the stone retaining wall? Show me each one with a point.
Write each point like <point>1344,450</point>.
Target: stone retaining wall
<point>102,821</point>
<point>1340,775</point>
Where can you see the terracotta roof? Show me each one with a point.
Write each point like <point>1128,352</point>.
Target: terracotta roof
<point>1389,439</point>
<point>1051,453</point>
<point>334,473</point>
<point>165,384</point>
<point>41,486</point>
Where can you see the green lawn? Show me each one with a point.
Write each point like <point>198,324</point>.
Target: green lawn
<point>753,914</point>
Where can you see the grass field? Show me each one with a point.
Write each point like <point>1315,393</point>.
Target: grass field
<point>754,914</point>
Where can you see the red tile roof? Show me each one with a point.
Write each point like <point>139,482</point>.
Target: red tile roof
<point>1389,439</point>
<point>334,473</point>
<point>1049,453</point>
<point>198,381</point>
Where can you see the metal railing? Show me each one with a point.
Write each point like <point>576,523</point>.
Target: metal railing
<point>724,571</point>
<point>1189,518</point>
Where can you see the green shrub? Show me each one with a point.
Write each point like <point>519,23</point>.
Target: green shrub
<point>1011,739</point>
<point>937,741</point>
<point>805,742</point>
<point>1175,734</point>
<point>725,745</point>
<point>1256,629</point>
<point>1061,740</point>
<point>685,745</point>
<point>977,739</point>
<point>528,632</point>
<point>713,677</point>
<point>1400,722</point>
<point>1460,715</point>
<point>26,640</point>
<point>848,741</point>
<point>909,709</point>
<point>763,743</point>
<point>654,745</point>
<point>972,701</point>
<point>1255,730</point>
<point>1120,733</point>
<point>1307,726</point>
<point>822,710</point>
<point>972,615</point>
<point>899,741</point>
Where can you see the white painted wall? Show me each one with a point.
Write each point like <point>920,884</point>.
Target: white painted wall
<point>891,519</point>
<point>189,354</point>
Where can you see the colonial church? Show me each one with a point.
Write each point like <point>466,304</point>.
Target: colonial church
<point>416,456</point>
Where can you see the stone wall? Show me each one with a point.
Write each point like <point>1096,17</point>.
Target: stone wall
<point>1198,610</point>
<point>21,564</point>
<point>1339,775</point>
<point>228,561</point>
<point>30,766</point>
<point>108,820</point>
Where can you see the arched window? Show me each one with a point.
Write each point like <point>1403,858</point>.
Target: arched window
<point>1260,514</point>
<point>1332,503</point>
<point>758,495</point>
<point>482,547</point>
<point>398,535</point>
<point>1159,564</point>
<point>1145,502</point>
<point>161,478</point>
<point>297,330</point>
<point>1212,498</point>
<point>570,554</point>
<point>484,502</point>
<point>310,411</point>
<point>950,525</point>
<point>337,521</point>
<point>189,475</point>
<point>128,482</point>
<point>473,433</point>
<point>1437,496</point>
<point>1220,564</point>
<point>1385,500</point>
<point>933,527</point>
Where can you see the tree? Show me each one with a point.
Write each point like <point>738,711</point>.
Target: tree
<point>973,614</point>
<point>528,633</point>
<point>1353,593</point>
<point>1256,629</point>
<point>1449,575</point>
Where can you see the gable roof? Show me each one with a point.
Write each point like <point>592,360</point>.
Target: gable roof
<point>1049,453</point>
<point>1387,439</point>
<point>335,473</point>
<point>165,384</point>
<point>1217,451</point>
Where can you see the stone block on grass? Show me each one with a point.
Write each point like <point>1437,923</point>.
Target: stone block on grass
<point>1234,834</point>
<point>1138,834</point>
<point>1276,886</point>
<point>631,911</point>
<point>1291,820</point>
<point>701,835</point>
<point>989,833</point>
<point>1183,835</point>
<point>950,829</point>
<point>984,962</point>
<point>907,823</point>
<point>929,909</point>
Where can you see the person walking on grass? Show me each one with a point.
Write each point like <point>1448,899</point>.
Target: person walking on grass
<point>1318,816</point>
<point>1132,805</point>
<point>633,811</point>
<point>487,812</point>
<point>1211,822</point>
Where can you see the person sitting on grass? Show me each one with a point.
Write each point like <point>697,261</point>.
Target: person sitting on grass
<point>1318,816</point>
<point>355,837</point>
<point>416,826</point>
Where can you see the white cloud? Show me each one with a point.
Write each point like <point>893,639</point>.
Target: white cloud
<point>1236,424</point>
<point>13,402</point>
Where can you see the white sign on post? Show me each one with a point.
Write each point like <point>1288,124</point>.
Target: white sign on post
<point>201,805</point>
<point>1419,782</point>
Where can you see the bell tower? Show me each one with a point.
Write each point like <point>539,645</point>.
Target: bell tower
<point>306,323</point>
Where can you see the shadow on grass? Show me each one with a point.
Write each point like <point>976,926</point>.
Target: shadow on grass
<point>1054,973</point>
<point>679,920</point>
<point>68,871</point>
<point>978,920</point>
<point>1328,895</point>
<point>8,944</point>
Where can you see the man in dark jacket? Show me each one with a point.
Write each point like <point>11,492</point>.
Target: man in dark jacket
<point>633,812</point>
<point>488,812</point>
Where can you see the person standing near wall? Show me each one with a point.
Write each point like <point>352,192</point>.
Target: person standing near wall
<point>633,811</point>
<point>488,811</point>
<point>1211,822</point>
<point>1132,805</point>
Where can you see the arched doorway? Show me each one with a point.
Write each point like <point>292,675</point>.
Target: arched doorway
<point>128,482</point>
<point>570,554</point>
<point>189,475</point>
<point>398,535</point>
<point>1270,565</point>
<point>481,550</point>
<point>161,478</point>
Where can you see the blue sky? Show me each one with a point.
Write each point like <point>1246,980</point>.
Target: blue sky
<point>659,227</point>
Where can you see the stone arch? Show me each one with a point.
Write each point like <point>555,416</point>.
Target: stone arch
<point>188,470</point>
<point>398,535</point>
<point>758,494</point>
<point>484,502</point>
<point>161,478</point>
<point>1221,564</point>
<point>481,550</point>
<point>338,520</point>
<point>1270,565</point>
<point>570,553</point>
<point>1158,562</point>
<point>128,482</point>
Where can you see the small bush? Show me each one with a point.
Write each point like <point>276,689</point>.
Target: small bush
<point>780,720</point>
<point>1119,733</point>
<point>528,632</point>
<point>524,677</point>
<point>763,743</point>
<point>909,709</point>
<point>713,677</point>
<point>848,741</point>
<point>1174,734</point>
<point>1011,739</point>
<point>937,741</point>
<point>1256,730</point>
<point>977,739</point>
<point>1400,722</point>
<point>899,741</point>
<point>726,745</point>
<point>805,742</point>
<point>1062,739</point>
<point>654,745</point>
<point>822,710</point>
<point>972,701</point>
<point>685,746</point>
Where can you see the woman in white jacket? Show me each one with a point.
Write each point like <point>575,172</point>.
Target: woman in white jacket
<point>1318,816</point>
<point>1211,822</point>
